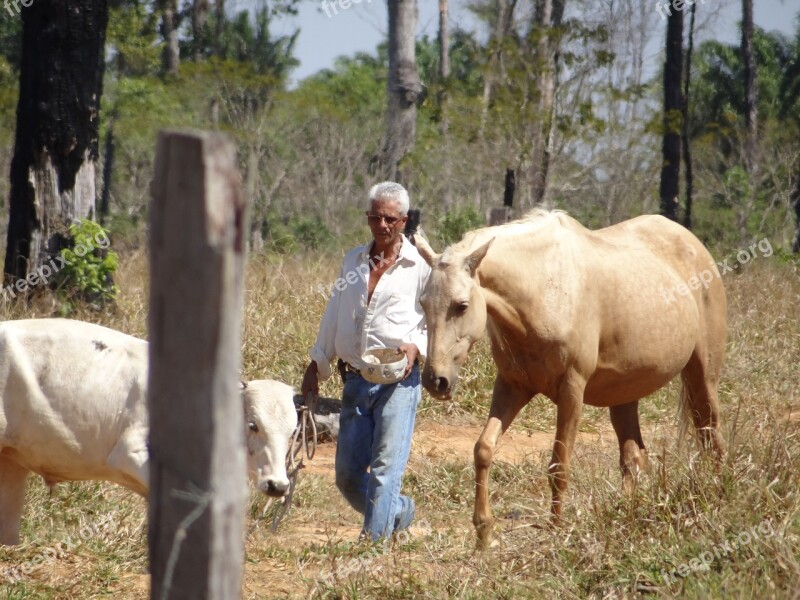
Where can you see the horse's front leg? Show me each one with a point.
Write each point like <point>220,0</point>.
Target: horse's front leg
<point>569,405</point>
<point>506,404</point>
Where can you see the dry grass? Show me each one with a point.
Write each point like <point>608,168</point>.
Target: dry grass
<point>612,546</point>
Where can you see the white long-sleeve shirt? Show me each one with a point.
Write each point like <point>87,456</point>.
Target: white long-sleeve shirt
<point>351,325</point>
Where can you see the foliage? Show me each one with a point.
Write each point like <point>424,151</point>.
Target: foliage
<point>289,236</point>
<point>247,40</point>
<point>453,224</point>
<point>131,40</point>
<point>718,101</point>
<point>11,41</point>
<point>88,266</point>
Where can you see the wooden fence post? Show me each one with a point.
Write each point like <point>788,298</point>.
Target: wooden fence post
<point>198,487</point>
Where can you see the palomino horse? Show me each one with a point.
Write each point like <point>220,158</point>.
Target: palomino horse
<point>598,317</point>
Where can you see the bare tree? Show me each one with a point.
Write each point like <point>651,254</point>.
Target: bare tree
<point>504,17</point>
<point>444,60</point>
<point>750,108</point>
<point>687,152</point>
<point>170,21</point>
<point>795,202</point>
<point>548,15</point>
<point>199,18</point>
<point>444,83</point>
<point>56,145</point>
<point>220,26</point>
<point>671,147</point>
<point>404,88</point>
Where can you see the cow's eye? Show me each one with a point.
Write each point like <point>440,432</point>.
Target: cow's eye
<point>253,427</point>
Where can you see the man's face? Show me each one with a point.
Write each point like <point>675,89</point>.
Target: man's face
<point>385,221</point>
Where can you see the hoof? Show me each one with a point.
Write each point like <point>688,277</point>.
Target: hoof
<point>485,538</point>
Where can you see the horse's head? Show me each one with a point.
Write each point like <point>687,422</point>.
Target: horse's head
<point>455,311</point>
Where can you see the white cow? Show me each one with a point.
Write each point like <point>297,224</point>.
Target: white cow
<point>73,406</point>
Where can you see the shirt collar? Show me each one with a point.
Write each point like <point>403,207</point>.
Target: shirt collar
<point>407,250</point>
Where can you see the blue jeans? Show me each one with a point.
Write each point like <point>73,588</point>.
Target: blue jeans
<point>375,429</point>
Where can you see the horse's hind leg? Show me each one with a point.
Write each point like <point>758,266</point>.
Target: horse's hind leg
<point>699,399</point>
<point>13,477</point>
<point>632,453</point>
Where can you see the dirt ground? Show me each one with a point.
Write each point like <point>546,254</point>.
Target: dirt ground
<point>434,442</point>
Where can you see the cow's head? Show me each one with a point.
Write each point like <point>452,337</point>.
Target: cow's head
<point>270,419</point>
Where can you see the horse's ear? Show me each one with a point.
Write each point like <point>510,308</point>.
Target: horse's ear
<point>425,249</point>
<point>473,260</point>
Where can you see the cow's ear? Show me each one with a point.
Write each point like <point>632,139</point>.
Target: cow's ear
<point>425,250</point>
<point>242,386</point>
<point>472,262</point>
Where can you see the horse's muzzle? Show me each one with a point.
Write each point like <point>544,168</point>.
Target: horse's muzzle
<point>438,387</point>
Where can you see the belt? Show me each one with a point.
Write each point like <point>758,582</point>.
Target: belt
<point>345,367</point>
<point>351,369</point>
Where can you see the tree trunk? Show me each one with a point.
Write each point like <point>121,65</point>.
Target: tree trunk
<point>493,73</point>
<point>404,89</point>
<point>219,27</point>
<point>444,85</point>
<point>541,23</point>
<point>750,108</point>
<point>444,62</point>
<point>671,147</point>
<point>56,145</point>
<point>199,18</point>
<point>108,164</point>
<point>549,14</point>
<point>796,204</point>
<point>687,154</point>
<point>171,57</point>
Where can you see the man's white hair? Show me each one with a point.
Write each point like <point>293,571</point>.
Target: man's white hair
<point>389,190</point>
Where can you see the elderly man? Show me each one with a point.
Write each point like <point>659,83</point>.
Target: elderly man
<point>375,304</point>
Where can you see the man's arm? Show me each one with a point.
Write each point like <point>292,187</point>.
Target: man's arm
<point>412,352</point>
<point>324,349</point>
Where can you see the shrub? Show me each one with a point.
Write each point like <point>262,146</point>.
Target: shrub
<point>89,266</point>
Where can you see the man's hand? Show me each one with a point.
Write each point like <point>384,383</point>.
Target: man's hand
<point>412,352</point>
<point>310,380</point>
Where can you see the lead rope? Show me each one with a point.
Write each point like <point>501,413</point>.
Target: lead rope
<point>300,441</point>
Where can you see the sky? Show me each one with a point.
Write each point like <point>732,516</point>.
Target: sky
<point>326,33</point>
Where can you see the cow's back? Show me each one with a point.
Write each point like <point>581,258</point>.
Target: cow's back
<point>68,389</point>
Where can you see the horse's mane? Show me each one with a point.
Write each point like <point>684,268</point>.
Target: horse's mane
<point>534,219</point>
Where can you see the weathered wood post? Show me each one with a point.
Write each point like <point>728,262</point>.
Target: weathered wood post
<point>198,485</point>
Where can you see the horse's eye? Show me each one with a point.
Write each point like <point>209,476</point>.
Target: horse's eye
<point>252,427</point>
<point>462,307</point>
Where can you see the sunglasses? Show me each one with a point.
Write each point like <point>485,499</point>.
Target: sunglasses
<point>376,219</point>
